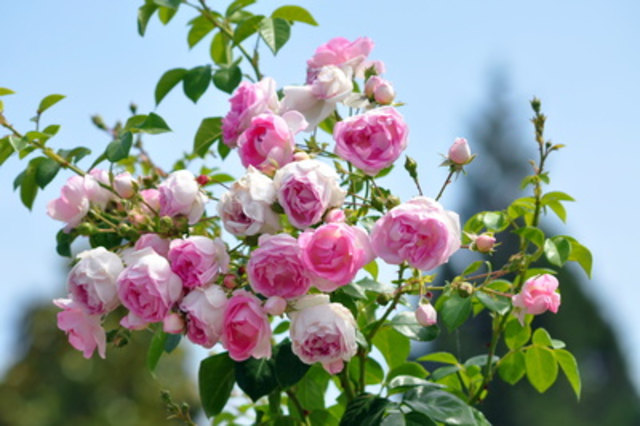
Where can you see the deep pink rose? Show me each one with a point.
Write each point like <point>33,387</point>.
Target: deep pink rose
<point>83,330</point>
<point>538,295</point>
<point>419,231</point>
<point>335,252</point>
<point>323,332</point>
<point>275,267</point>
<point>73,204</point>
<point>156,242</point>
<point>92,281</point>
<point>371,141</point>
<point>198,260</point>
<point>248,100</point>
<point>180,195</point>
<point>148,288</point>
<point>306,189</point>
<point>268,143</point>
<point>246,331</point>
<point>205,310</point>
<point>341,52</point>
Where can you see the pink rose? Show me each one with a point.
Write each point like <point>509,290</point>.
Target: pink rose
<point>83,330</point>
<point>156,242</point>
<point>152,198</point>
<point>248,101</point>
<point>198,260</point>
<point>335,216</point>
<point>246,331</point>
<point>538,295</point>
<point>419,231</point>
<point>426,315</point>
<point>459,153</point>
<point>180,195</point>
<point>371,141</point>
<point>205,310</point>
<point>148,288</point>
<point>339,51</point>
<point>268,143</point>
<point>92,281</point>
<point>73,204</point>
<point>323,332</point>
<point>124,185</point>
<point>246,208</point>
<point>306,189</point>
<point>275,267</point>
<point>335,252</point>
<point>95,191</point>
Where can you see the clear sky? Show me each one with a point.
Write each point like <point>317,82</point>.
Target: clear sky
<point>580,57</point>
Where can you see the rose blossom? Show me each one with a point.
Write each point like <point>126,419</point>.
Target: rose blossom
<point>94,190</point>
<point>426,315</point>
<point>83,330</point>
<point>248,101</point>
<point>323,332</point>
<point>205,309</point>
<point>373,140</point>
<point>73,204</point>
<point>419,231</point>
<point>538,295</point>
<point>246,208</point>
<point>459,153</point>
<point>275,267</point>
<point>268,143</point>
<point>339,51</point>
<point>246,331</point>
<point>92,281</point>
<point>152,198</point>
<point>198,260</point>
<point>180,195</point>
<point>148,288</point>
<point>335,252</point>
<point>124,185</point>
<point>306,189</point>
<point>156,242</point>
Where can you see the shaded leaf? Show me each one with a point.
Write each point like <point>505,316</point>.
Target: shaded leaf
<point>569,367</point>
<point>393,346</point>
<point>47,170</point>
<point>167,82</point>
<point>196,82</point>
<point>289,369</point>
<point>215,382</point>
<point>256,377</point>
<point>247,28</point>
<point>228,78</point>
<point>439,406</point>
<point>119,148</point>
<point>365,410</point>
<point>209,131</point>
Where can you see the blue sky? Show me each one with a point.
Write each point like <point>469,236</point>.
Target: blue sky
<point>580,57</point>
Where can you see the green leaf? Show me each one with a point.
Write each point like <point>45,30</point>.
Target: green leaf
<point>223,150</point>
<point>495,221</point>
<point>480,360</point>
<point>558,209</point>
<point>256,377</point>
<point>311,388</point>
<point>63,243</point>
<point>443,357</point>
<point>4,91</point>
<point>17,143</point>
<point>493,302</point>
<point>473,267</point>
<point>512,368</point>
<point>289,369</point>
<point>74,155</point>
<point>275,32</point>
<point>154,124</point>
<point>196,82</point>
<point>167,82</point>
<point>541,337</point>
<point>282,327</point>
<point>215,382</point>
<point>209,131</point>
<point>28,183</point>
<point>294,13</point>
<point>144,14</point>
<point>556,196</point>
<point>404,383</point>
<point>156,348</point>
<point>107,240</point>
<point>6,149</point>
<point>247,28</point>
<point>165,14</point>
<point>48,102</point>
<point>542,368</point>
<point>439,405</point>
<point>393,346</point>
<point>375,286</point>
<point>409,368</point>
<point>372,269</point>
<point>200,27</point>
<point>407,325</point>
<point>237,5</point>
<point>119,148</point>
<point>373,373</point>
<point>569,367</point>
<point>530,233</point>
<point>516,335</point>
<point>219,50</point>
<point>171,342</point>
<point>455,311</point>
<point>227,78</point>
<point>579,253</point>
<point>557,251</point>
<point>47,169</point>
<point>365,410</point>
<point>172,4</point>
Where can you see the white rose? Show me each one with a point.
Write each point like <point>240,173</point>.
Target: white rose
<point>205,312</point>
<point>180,195</point>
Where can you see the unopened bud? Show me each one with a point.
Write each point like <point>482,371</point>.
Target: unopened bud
<point>229,281</point>
<point>98,122</point>
<point>85,229</point>
<point>426,315</point>
<point>124,185</point>
<point>335,216</point>
<point>459,153</point>
<point>380,90</point>
<point>484,243</point>
<point>411,166</point>
<point>173,323</point>
<point>300,156</point>
<point>202,180</point>
<point>465,289</point>
<point>275,305</point>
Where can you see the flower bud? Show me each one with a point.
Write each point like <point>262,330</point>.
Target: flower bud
<point>173,323</point>
<point>275,305</point>
<point>335,216</point>
<point>384,94</point>
<point>124,185</point>
<point>202,180</point>
<point>229,281</point>
<point>484,243</point>
<point>300,156</point>
<point>465,289</point>
<point>426,315</point>
<point>459,153</point>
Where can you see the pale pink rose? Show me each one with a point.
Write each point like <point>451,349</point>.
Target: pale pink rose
<point>275,305</point>
<point>335,216</point>
<point>84,331</point>
<point>148,288</point>
<point>204,308</point>
<point>306,189</point>
<point>426,315</point>
<point>537,296</point>
<point>92,281</point>
<point>378,66</point>
<point>124,184</point>
<point>180,195</point>
<point>246,208</point>
<point>156,242</point>
<point>246,331</point>
<point>248,101</point>
<point>371,141</point>
<point>96,193</point>
<point>380,90</point>
<point>484,243</point>
<point>323,332</point>
<point>459,153</point>
<point>152,198</point>
<point>420,232</point>
<point>300,155</point>
<point>173,323</point>
<point>73,204</point>
<point>335,252</point>
<point>268,143</point>
<point>341,52</point>
<point>275,267</point>
<point>198,260</point>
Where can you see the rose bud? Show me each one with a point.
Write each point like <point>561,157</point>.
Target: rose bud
<point>538,295</point>
<point>275,305</point>
<point>485,243</point>
<point>426,315</point>
<point>173,323</point>
<point>459,153</point>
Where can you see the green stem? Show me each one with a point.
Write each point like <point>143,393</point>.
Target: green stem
<point>444,185</point>
<point>296,402</point>
<point>346,384</point>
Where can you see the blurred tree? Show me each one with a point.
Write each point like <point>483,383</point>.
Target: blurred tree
<point>52,384</point>
<point>608,396</point>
